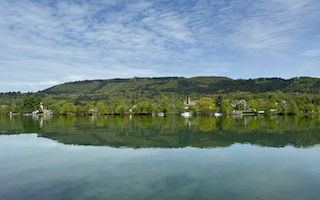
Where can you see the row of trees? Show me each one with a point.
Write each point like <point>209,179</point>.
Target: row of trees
<point>204,105</point>
<point>164,102</point>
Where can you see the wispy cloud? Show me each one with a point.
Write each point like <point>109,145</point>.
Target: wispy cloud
<point>58,41</point>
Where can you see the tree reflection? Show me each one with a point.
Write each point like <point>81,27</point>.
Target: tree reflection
<point>170,131</point>
<point>207,123</point>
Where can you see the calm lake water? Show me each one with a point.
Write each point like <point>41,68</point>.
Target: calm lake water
<point>144,157</point>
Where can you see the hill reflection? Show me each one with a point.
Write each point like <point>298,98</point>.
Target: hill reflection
<point>170,131</point>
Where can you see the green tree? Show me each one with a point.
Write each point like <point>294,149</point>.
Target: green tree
<point>30,104</point>
<point>78,109</point>
<point>180,107</point>
<point>270,104</point>
<point>300,104</point>
<point>125,108</point>
<point>193,109</point>
<point>206,105</point>
<point>71,107</point>
<point>137,109</point>
<point>309,108</point>
<point>7,110</point>
<point>101,107</point>
<point>316,100</point>
<point>239,106</point>
<point>152,107</point>
<point>109,110</point>
<point>86,109</point>
<point>65,109</point>
<point>144,108</point>
<point>219,101</point>
<point>225,107</point>
<point>17,109</point>
<point>1,110</point>
<point>253,105</point>
<point>119,110</point>
<point>56,109</point>
<point>166,108</point>
<point>292,107</point>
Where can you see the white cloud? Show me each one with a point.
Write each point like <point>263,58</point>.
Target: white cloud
<point>58,41</point>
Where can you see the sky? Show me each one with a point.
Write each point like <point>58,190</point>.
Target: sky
<point>47,42</point>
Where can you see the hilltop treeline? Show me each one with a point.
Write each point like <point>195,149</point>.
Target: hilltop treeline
<point>167,94</point>
<point>185,86</point>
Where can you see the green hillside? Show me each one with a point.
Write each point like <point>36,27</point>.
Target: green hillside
<point>167,94</point>
<point>180,85</point>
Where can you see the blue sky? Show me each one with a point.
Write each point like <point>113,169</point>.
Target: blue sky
<point>47,42</point>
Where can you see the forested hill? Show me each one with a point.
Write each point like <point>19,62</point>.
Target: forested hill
<point>180,85</point>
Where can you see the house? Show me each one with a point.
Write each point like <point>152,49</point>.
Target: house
<point>283,102</point>
<point>262,103</point>
<point>44,111</point>
<point>189,103</point>
<point>242,101</point>
<point>47,112</point>
<point>93,110</point>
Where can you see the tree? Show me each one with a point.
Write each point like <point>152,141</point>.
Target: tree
<point>1,110</point>
<point>7,110</point>
<point>180,107</point>
<point>271,104</point>
<point>193,109</point>
<point>316,100</point>
<point>219,101</point>
<point>78,109</point>
<point>309,108</point>
<point>152,107</point>
<point>86,109</point>
<point>30,104</point>
<point>56,109</point>
<point>101,107</point>
<point>300,104</point>
<point>119,110</point>
<point>125,108</point>
<point>240,106</point>
<point>225,107</point>
<point>253,105</point>
<point>65,109</point>
<point>158,108</point>
<point>109,110</point>
<point>17,109</point>
<point>137,109</point>
<point>166,108</point>
<point>71,107</point>
<point>206,105</point>
<point>292,108</point>
<point>144,108</point>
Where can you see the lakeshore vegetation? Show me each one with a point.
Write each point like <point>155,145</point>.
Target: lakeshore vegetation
<point>167,95</point>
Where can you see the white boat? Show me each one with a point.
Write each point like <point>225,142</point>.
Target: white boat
<point>217,114</point>
<point>161,114</point>
<point>186,114</point>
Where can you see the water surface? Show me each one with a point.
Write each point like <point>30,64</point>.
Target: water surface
<point>142,157</point>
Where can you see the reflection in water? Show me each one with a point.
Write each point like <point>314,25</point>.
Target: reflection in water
<point>34,167</point>
<point>170,131</point>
